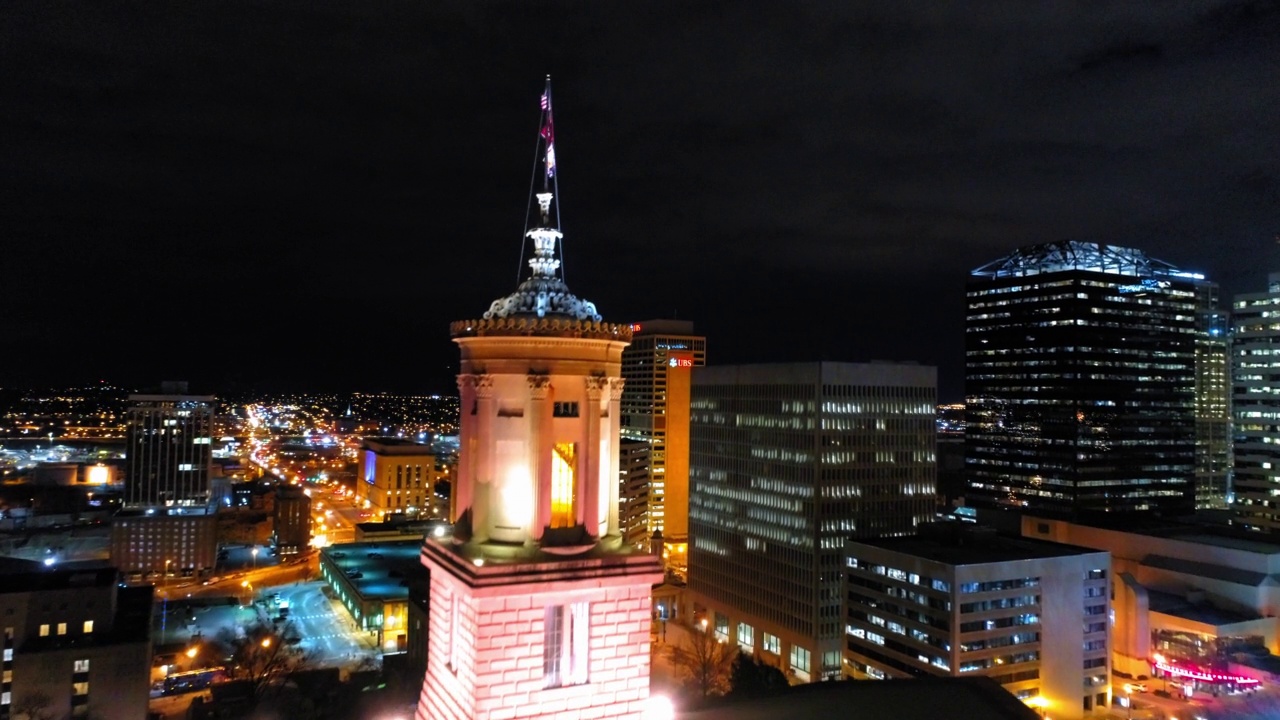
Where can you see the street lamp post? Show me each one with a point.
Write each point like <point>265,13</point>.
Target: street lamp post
<point>254,553</point>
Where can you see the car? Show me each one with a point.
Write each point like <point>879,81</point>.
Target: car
<point>1136,687</point>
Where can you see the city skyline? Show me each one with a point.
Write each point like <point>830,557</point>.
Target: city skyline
<point>795,169</point>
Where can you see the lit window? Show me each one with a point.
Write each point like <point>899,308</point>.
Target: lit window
<point>44,630</point>
<point>563,469</point>
<point>564,659</point>
<point>80,688</point>
<point>82,666</point>
<point>772,643</point>
<point>88,626</point>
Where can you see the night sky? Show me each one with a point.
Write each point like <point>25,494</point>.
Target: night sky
<point>303,194</point>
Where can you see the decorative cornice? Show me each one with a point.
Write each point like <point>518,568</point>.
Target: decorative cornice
<point>543,327</point>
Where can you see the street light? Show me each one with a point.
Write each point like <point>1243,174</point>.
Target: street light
<point>254,553</point>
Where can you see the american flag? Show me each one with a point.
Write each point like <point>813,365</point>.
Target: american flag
<point>546,101</point>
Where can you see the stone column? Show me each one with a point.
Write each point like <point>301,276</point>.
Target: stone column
<point>611,457</point>
<point>540,451</point>
<point>481,444</point>
<point>589,487</point>
<point>464,480</point>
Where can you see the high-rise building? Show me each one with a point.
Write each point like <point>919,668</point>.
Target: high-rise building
<point>1255,383</point>
<point>958,600</point>
<point>633,492</point>
<point>1081,381</point>
<point>76,644</point>
<point>396,477</point>
<point>1214,459</point>
<point>167,527</point>
<point>537,608</point>
<point>169,453</point>
<point>657,367</point>
<point>786,463</point>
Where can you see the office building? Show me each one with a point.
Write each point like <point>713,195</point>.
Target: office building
<point>1214,456</point>
<point>657,367</point>
<point>396,477</point>
<point>1192,602</point>
<point>169,453</point>
<point>633,492</point>
<point>76,644</point>
<point>1080,381</point>
<point>1255,358</point>
<point>959,600</point>
<point>786,462</point>
<point>537,608</point>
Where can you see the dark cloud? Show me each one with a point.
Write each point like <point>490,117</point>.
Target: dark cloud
<point>307,192</point>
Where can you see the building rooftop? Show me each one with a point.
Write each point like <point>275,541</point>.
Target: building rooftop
<point>962,544</point>
<point>1179,606</point>
<point>384,568</point>
<point>917,699</point>
<point>396,444</point>
<point>1187,530</point>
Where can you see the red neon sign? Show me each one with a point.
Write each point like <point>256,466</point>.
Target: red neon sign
<point>680,361</point>
<point>1202,675</point>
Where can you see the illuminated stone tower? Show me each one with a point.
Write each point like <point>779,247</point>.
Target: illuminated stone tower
<point>537,608</point>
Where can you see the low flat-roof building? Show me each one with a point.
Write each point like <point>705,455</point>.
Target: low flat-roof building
<point>959,600</point>
<point>372,580</point>
<point>1187,596</point>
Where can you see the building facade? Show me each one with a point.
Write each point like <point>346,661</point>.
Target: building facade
<point>1255,359</point>
<point>633,492</point>
<point>1215,459</point>
<point>76,644</point>
<point>292,526</point>
<point>169,453</point>
<point>155,545</point>
<point>1080,381</point>
<point>1198,600</point>
<point>657,367</point>
<point>396,477</point>
<point>786,462</point>
<point>537,608</point>
<point>959,600</point>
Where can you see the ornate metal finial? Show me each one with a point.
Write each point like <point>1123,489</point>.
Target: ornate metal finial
<point>544,204</point>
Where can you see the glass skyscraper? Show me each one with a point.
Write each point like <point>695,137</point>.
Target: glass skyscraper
<point>1081,381</point>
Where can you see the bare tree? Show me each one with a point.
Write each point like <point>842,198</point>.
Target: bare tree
<point>33,706</point>
<point>705,662</point>
<point>264,655</point>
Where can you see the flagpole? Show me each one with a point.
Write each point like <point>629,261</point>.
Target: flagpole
<point>528,203</point>
<point>553,178</point>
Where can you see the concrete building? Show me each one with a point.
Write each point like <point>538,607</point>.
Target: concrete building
<point>1255,382</point>
<point>537,608</point>
<point>1189,595</point>
<point>76,644</point>
<point>787,461</point>
<point>396,477</point>
<point>957,600</point>
<point>656,367</point>
<point>1080,378</point>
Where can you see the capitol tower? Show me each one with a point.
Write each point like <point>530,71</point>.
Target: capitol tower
<point>537,608</point>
